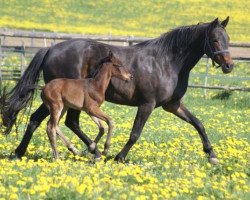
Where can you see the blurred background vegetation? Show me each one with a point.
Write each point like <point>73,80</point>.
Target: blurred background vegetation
<point>137,18</point>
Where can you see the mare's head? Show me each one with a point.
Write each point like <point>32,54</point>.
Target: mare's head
<point>117,68</point>
<point>216,45</point>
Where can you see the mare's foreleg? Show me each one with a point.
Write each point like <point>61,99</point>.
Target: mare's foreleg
<point>178,109</point>
<point>142,115</point>
<point>35,120</point>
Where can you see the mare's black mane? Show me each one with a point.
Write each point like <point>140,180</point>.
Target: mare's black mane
<point>178,38</point>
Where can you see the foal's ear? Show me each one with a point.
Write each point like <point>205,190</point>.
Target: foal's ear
<point>214,23</point>
<point>225,22</point>
<point>111,54</point>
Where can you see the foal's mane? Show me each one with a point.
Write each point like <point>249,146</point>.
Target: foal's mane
<point>177,38</point>
<point>96,68</point>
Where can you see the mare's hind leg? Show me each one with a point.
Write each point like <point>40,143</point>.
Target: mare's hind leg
<point>96,112</point>
<point>142,116</point>
<point>72,122</point>
<point>182,112</point>
<point>100,134</point>
<point>35,120</point>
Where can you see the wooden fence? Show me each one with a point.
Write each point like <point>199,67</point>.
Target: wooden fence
<point>27,43</point>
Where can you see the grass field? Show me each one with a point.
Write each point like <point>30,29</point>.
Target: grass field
<point>167,162</point>
<point>138,18</point>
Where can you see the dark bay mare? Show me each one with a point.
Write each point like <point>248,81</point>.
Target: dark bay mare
<point>160,68</point>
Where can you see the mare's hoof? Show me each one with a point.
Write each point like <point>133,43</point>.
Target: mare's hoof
<point>120,159</point>
<point>92,147</point>
<point>14,157</point>
<point>97,155</point>
<point>213,161</point>
<point>98,159</point>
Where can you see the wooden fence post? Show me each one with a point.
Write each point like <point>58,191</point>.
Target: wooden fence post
<point>32,38</point>
<point>22,51</point>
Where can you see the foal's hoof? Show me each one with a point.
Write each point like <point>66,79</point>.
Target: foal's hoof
<point>92,147</point>
<point>213,161</point>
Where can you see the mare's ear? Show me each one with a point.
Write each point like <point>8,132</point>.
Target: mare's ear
<point>110,54</point>
<point>214,23</point>
<point>225,22</point>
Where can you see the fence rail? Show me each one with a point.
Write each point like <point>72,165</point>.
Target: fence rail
<point>29,42</point>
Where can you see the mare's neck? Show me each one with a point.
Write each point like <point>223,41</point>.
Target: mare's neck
<point>102,79</point>
<point>194,51</point>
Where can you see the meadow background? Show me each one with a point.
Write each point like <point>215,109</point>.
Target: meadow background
<point>167,162</point>
<point>137,18</point>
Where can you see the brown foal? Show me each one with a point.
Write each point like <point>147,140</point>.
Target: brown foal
<point>82,94</point>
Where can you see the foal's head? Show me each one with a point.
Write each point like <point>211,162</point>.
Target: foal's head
<point>116,67</point>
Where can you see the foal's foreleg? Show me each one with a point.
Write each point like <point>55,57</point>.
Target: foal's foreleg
<point>100,134</point>
<point>96,112</point>
<point>182,112</point>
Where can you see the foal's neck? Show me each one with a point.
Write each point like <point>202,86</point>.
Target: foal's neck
<point>102,79</point>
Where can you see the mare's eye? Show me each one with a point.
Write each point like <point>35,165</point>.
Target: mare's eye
<point>214,40</point>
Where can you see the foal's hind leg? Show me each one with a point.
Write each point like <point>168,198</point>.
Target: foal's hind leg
<point>66,142</point>
<point>51,131</point>
<point>100,134</point>
<point>55,113</point>
<point>64,139</point>
<point>182,112</point>
<point>96,112</point>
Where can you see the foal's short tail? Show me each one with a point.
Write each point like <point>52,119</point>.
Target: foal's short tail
<point>15,100</point>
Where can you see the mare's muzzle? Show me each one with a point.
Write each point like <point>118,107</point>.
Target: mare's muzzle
<point>227,67</point>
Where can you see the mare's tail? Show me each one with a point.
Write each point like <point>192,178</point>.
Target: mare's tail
<point>12,102</point>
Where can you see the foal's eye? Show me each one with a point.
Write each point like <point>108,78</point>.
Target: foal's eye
<point>215,41</point>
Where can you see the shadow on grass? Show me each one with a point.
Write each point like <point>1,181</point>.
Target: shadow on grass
<point>225,95</point>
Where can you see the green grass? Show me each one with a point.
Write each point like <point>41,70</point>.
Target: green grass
<point>138,18</point>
